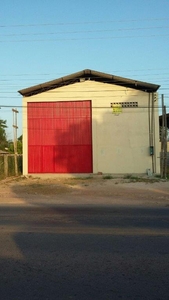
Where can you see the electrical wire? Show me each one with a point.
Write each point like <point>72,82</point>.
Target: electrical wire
<point>77,107</point>
<point>84,23</point>
<point>115,71</point>
<point>85,38</point>
<point>85,31</point>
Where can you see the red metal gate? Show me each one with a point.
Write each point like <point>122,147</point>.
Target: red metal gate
<point>60,137</point>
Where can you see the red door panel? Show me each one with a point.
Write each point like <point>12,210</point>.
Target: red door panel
<point>60,137</point>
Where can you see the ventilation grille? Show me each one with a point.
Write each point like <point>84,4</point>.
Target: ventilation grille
<point>125,104</point>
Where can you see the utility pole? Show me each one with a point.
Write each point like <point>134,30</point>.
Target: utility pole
<point>15,127</point>
<point>163,141</point>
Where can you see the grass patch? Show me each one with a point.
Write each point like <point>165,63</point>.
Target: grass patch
<point>108,177</point>
<point>80,178</point>
<point>130,176</point>
<point>77,180</point>
<point>158,176</point>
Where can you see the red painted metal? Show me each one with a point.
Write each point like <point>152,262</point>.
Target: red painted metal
<point>60,137</point>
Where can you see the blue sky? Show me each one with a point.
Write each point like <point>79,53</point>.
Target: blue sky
<point>42,40</point>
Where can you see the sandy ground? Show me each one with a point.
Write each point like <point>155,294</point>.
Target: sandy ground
<point>83,191</point>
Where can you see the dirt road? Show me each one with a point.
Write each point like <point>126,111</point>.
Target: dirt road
<point>79,239</point>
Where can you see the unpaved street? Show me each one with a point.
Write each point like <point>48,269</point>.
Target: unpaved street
<point>89,238</point>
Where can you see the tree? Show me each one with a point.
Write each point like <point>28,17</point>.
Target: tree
<point>3,137</point>
<point>19,145</point>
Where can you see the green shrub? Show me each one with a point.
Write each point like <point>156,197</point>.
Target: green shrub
<point>108,177</point>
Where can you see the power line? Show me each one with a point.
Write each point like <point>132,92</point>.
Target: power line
<point>73,97</point>
<point>108,71</point>
<point>56,94</point>
<point>35,79</point>
<point>57,90</point>
<point>95,77</point>
<point>77,107</point>
<point>85,31</point>
<point>83,23</point>
<point>85,38</point>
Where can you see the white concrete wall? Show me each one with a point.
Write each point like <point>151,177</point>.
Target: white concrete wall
<point>120,143</point>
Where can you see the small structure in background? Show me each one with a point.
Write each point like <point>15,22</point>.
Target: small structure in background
<point>4,152</point>
<point>10,157</point>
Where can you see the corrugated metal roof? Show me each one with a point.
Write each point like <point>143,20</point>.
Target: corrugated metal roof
<point>88,74</point>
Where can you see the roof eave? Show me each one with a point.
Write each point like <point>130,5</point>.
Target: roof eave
<point>92,75</point>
